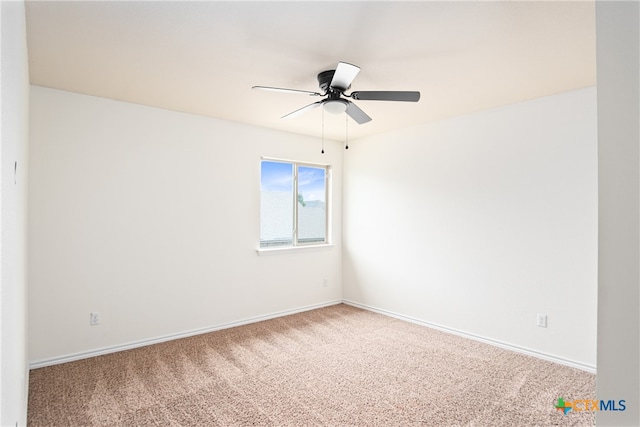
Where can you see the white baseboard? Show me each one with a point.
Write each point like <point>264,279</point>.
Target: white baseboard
<point>113,349</point>
<point>507,346</point>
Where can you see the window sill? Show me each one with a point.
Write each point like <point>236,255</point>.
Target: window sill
<point>291,249</point>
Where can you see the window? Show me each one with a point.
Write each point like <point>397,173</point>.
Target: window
<point>293,203</point>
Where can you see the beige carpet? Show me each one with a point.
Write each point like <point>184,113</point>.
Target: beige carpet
<point>335,366</point>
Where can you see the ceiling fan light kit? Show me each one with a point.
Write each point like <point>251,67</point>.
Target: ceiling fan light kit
<point>333,84</point>
<point>335,106</point>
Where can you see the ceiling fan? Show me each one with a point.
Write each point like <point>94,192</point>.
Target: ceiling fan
<point>333,84</point>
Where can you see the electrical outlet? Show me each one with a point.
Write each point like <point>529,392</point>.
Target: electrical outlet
<point>94,319</point>
<point>541,320</point>
<point>325,282</point>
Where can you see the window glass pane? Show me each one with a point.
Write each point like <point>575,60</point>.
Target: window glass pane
<point>276,204</point>
<point>311,205</point>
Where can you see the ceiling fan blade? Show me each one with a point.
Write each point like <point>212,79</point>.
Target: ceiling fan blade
<point>357,114</point>
<point>344,75</point>
<point>302,110</point>
<point>280,89</point>
<point>386,96</point>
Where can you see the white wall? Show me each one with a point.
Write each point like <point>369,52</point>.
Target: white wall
<point>151,218</point>
<point>14,90</point>
<point>618,49</point>
<point>478,223</point>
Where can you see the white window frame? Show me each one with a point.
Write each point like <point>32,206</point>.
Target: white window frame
<point>296,245</point>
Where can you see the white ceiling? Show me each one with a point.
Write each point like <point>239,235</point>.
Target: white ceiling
<point>204,57</point>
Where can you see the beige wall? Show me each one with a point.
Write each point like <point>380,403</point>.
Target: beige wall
<point>618,49</point>
<point>151,218</point>
<point>14,90</point>
<point>478,223</point>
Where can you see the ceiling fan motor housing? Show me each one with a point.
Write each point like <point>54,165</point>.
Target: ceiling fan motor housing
<point>324,81</point>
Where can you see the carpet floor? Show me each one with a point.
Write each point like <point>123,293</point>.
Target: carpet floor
<point>334,366</point>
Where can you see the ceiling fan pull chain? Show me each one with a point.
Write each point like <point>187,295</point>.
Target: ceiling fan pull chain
<point>346,132</point>
<point>322,152</point>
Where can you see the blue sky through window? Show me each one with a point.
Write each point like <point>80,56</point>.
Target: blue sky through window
<point>311,183</point>
<point>277,176</point>
<point>280,207</point>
